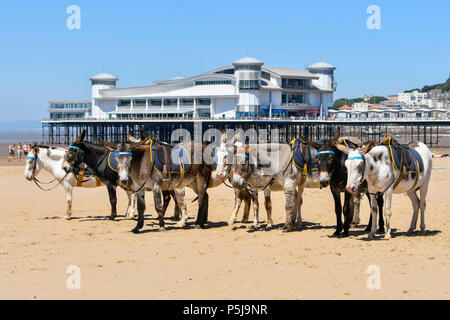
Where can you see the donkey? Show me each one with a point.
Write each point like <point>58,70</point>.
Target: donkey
<point>51,159</point>
<point>179,166</point>
<point>334,173</point>
<point>272,167</point>
<point>376,164</point>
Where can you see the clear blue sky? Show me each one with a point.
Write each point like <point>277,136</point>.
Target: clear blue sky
<point>142,41</point>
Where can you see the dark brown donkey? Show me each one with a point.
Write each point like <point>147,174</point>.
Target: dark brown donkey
<point>154,166</point>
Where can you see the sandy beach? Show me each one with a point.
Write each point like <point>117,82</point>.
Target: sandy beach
<point>37,245</point>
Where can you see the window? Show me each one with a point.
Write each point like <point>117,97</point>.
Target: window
<point>212,82</point>
<point>139,102</point>
<point>204,102</point>
<point>107,82</point>
<point>155,102</point>
<point>294,83</point>
<point>188,102</point>
<point>249,84</point>
<point>293,98</point>
<point>170,102</point>
<point>124,103</point>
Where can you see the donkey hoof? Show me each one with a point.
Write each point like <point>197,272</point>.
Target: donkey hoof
<point>67,217</point>
<point>287,228</point>
<point>381,231</point>
<point>161,229</point>
<point>135,230</point>
<point>336,234</point>
<point>252,228</point>
<point>197,226</point>
<point>111,218</point>
<point>231,223</point>
<point>371,236</point>
<point>269,227</point>
<point>423,232</point>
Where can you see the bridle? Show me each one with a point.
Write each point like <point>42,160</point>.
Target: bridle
<point>36,180</point>
<point>127,153</point>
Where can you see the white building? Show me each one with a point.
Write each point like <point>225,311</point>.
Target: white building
<point>414,98</point>
<point>247,88</point>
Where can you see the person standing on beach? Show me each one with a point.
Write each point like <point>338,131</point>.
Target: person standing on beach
<point>10,153</point>
<point>19,151</point>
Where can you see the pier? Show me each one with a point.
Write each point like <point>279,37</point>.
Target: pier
<point>432,132</point>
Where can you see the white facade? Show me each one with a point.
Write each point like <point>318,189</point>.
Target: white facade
<point>413,98</point>
<point>247,88</point>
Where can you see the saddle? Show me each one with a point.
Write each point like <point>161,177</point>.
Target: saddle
<point>85,173</point>
<point>112,163</point>
<point>168,159</point>
<point>307,165</point>
<point>405,159</point>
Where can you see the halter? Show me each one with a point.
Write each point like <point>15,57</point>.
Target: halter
<point>325,152</point>
<point>123,154</point>
<point>36,180</point>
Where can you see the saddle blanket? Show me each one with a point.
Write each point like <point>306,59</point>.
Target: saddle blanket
<point>297,157</point>
<point>83,174</point>
<point>112,163</point>
<point>179,157</point>
<point>412,154</point>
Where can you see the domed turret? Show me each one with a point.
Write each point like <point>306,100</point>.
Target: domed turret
<point>325,72</point>
<point>247,71</point>
<point>100,82</point>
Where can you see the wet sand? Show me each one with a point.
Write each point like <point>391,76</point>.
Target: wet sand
<point>37,245</point>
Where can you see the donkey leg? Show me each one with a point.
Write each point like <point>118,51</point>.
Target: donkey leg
<point>177,211</point>
<point>113,201</point>
<point>68,189</point>
<point>140,198</point>
<point>415,203</point>
<point>348,211</point>
<point>180,199</point>
<point>254,198</point>
<point>299,205</point>
<point>356,209</point>
<point>387,213</point>
<point>380,203</point>
<point>157,194</point>
<point>373,212</point>
<point>369,224</point>
<point>237,205</point>
<point>337,210</point>
<point>247,205</point>
<point>130,208</point>
<point>268,205</point>
<point>290,204</point>
<point>423,204</point>
<point>166,201</point>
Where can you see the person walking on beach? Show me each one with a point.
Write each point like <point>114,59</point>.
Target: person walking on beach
<point>11,155</point>
<point>19,151</point>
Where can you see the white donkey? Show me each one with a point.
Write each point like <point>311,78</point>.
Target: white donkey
<point>51,159</point>
<point>374,164</point>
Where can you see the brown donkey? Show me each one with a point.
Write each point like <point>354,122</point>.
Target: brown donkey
<point>150,165</point>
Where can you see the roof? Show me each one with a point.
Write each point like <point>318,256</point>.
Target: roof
<point>290,72</point>
<point>321,65</point>
<point>374,107</point>
<point>104,76</point>
<point>248,61</point>
<point>345,107</point>
<point>70,102</point>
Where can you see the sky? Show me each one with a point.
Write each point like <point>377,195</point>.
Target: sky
<point>142,41</point>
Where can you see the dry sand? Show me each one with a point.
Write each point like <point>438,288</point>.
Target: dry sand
<point>37,245</point>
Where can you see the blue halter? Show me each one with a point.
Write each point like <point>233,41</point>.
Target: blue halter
<point>73,147</point>
<point>356,158</point>
<point>30,157</point>
<point>325,152</point>
<point>242,155</point>
<point>123,154</point>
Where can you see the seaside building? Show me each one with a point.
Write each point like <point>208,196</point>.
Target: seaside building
<point>246,89</point>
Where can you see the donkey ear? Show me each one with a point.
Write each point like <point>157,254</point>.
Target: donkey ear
<point>341,147</point>
<point>131,138</point>
<point>223,137</point>
<point>337,134</point>
<point>109,145</point>
<point>314,144</point>
<point>368,147</point>
<point>142,135</point>
<point>81,137</point>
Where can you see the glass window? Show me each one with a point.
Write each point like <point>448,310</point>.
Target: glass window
<point>124,103</point>
<point>155,102</point>
<point>204,102</point>
<point>139,102</point>
<point>249,84</point>
<point>212,82</point>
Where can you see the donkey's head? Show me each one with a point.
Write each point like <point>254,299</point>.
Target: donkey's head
<point>242,167</point>
<point>123,158</point>
<point>225,156</point>
<point>356,165</point>
<point>325,156</point>
<point>75,155</point>
<point>32,166</point>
